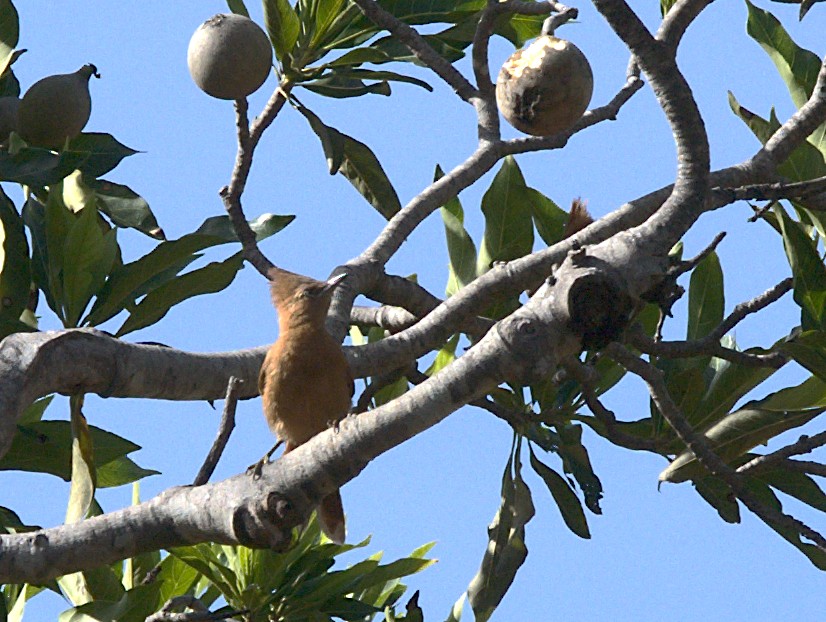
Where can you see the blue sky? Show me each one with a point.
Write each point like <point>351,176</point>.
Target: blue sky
<point>653,554</point>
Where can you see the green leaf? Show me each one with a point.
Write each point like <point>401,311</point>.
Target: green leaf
<point>795,484</point>
<point>175,578</point>
<point>121,471</point>
<point>508,218</point>
<point>805,162</point>
<point>125,208</point>
<point>506,550</point>
<point>59,222</point>
<point>9,34</point>
<point>203,559</point>
<point>239,8</point>
<point>357,163</point>
<point>339,87</point>
<point>719,496</point>
<point>798,67</point>
<point>765,495</point>
<point>88,257</point>
<point>727,383</point>
<point>157,303</point>
<point>134,606</point>
<point>575,460</point>
<point>737,434</point>
<point>15,267</point>
<point>283,26</point>
<point>706,304</point>
<point>548,217</point>
<point>100,152</point>
<point>264,226</point>
<point>808,271</point>
<point>389,76</point>
<point>565,498</point>
<point>83,478</point>
<point>34,412</point>
<point>809,350</point>
<point>32,166</point>
<point>46,447</point>
<point>460,246</point>
<point>128,282</point>
<point>34,216</point>
<point>444,357</point>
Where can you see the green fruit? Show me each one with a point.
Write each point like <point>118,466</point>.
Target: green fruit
<point>56,108</point>
<point>544,88</point>
<point>9,107</point>
<point>229,56</point>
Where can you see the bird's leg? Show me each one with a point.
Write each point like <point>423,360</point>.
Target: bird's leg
<point>255,469</point>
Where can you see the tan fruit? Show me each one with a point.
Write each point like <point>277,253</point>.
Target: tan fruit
<point>544,88</point>
<point>56,108</point>
<point>8,116</point>
<point>229,56</point>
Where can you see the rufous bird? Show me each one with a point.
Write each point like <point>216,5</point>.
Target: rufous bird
<point>305,381</point>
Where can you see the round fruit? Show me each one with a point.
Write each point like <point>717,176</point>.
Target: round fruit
<point>229,56</point>
<point>544,88</point>
<point>8,116</point>
<point>56,108</point>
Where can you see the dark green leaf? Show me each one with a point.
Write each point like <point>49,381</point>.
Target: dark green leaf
<point>9,33</point>
<point>340,87</point>
<point>719,496</point>
<point>134,606</point>
<point>738,433</point>
<point>264,226</point>
<point>282,26</point>
<point>394,50</point>
<point>506,550</point>
<point>795,484</point>
<point>239,8</point>
<point>460,246</point>
<point>34,216</point>
<point>157,303</point>
<point>101,153</point>
<point>125,207</point>
<point>508,218</point>
<point>765,495</point>
<point>15,267</point>
<point>548,217</point>
<point>128,282</point>
<point>367,74</point>
<point>38,168</point>
<point>34,412</point>
<point>809,350</point>
<point>565,498</point>
<point>706,304</point>
<point>46,447</point>
<point>575,460</point>
<point>808,271</point>
<point>358,164</point>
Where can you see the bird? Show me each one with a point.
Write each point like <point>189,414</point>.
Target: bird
<point>305,381</point>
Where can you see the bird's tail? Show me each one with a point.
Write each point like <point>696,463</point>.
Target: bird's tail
<point>331,517</point>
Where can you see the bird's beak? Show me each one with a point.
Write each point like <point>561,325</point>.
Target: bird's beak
<point>335,281</point>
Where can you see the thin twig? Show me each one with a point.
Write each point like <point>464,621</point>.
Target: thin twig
<point>771,192</point>
<point>248,137</point>
<point>224,430</point>
<point>586,377</point>
<point>710,344</point>
<point>420,48</point>
<point>689,264</point>
<point>699,446</point>
<point>804,445</point>
<point>199,612</point>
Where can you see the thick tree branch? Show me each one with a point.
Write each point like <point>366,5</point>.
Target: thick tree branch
<point>90,361</point>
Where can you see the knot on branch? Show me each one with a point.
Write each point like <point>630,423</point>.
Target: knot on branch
<point>599,306</point>
<point>265,524</point>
